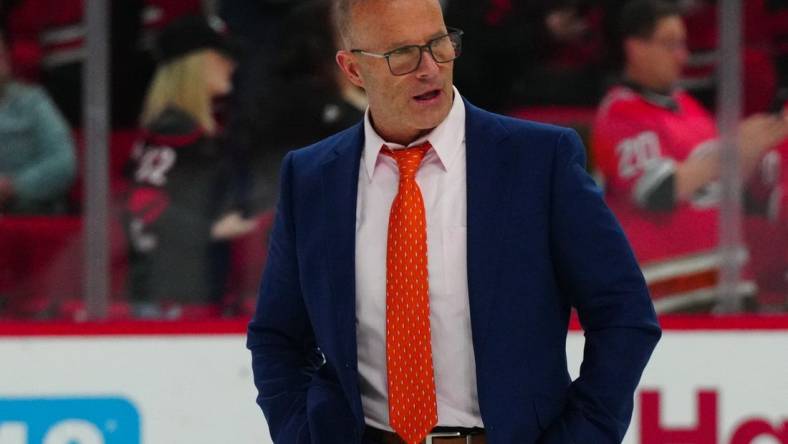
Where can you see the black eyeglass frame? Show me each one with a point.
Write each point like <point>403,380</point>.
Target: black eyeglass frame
<point>428,46</point>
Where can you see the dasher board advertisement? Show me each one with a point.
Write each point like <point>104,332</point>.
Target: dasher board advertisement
<point>708,382</point>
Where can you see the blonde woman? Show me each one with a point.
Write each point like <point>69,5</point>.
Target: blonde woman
<point>177,210</point>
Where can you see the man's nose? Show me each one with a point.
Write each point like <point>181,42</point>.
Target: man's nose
<point>428,65</point>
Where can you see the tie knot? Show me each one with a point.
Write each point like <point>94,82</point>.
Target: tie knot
<point>408,159</point>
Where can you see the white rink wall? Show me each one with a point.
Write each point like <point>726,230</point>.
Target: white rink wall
<point>702,387</point>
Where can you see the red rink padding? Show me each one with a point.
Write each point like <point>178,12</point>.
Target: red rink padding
<point>41,262</point>
<point>725,323</point>
<point>238,326</point>
<point>124,328</point>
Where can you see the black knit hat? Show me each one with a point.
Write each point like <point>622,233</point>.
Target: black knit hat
<point>192,33</point>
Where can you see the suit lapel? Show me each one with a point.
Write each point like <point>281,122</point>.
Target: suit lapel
<point>489,179</point>
<point>490,170</point>
<point>340,187</point>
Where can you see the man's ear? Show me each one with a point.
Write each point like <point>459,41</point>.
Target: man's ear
<point>349,65</point>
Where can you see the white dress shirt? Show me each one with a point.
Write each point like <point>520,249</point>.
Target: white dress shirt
<point>441,178</point>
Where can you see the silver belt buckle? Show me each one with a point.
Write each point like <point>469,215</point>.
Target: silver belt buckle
<point>431,436</point>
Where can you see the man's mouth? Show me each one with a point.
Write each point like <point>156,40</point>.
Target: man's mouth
<point>427,96</point>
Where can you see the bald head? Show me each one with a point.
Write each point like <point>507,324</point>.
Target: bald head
<point>341,16</point>
<point>343,12</point>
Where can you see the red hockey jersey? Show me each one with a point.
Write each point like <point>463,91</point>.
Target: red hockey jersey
<point>638,140</point>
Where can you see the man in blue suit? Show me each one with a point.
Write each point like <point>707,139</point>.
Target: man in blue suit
<point>424,262</point>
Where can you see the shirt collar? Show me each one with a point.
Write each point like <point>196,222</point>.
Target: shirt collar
<point>445,139</point>
<point>664,99</point>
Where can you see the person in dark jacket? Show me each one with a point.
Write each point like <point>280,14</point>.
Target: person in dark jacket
<point>303,99</point>
<point>178,213</point>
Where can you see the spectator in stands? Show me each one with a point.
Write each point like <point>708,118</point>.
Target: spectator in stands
<point>535,52</point>
<point>259,26</point>
<point>306,99</point>
<point>49,38</point>
<point>153,16</point>
<point>657,149</point>
<point>179,216</point>
<point>766,224</point>
<point>300,98</point>
<point>759,72</point>
<point>37,160</point>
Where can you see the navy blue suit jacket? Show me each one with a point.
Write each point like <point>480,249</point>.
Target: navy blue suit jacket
<point>540,241</point>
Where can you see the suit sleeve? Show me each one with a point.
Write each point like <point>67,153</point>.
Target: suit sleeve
<point>595,267</point>
<point>280,336</point>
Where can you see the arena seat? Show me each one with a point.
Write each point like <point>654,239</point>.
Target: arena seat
<point>41,267</point>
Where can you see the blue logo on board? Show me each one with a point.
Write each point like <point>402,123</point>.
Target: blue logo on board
<point>68,421</point>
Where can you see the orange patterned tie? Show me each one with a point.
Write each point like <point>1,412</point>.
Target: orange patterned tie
<point>413,410</point>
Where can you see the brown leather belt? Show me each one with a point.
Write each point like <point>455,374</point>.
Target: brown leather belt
<point>440,435</point>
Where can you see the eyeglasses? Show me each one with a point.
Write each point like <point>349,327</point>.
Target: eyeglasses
<point>406,59</point>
